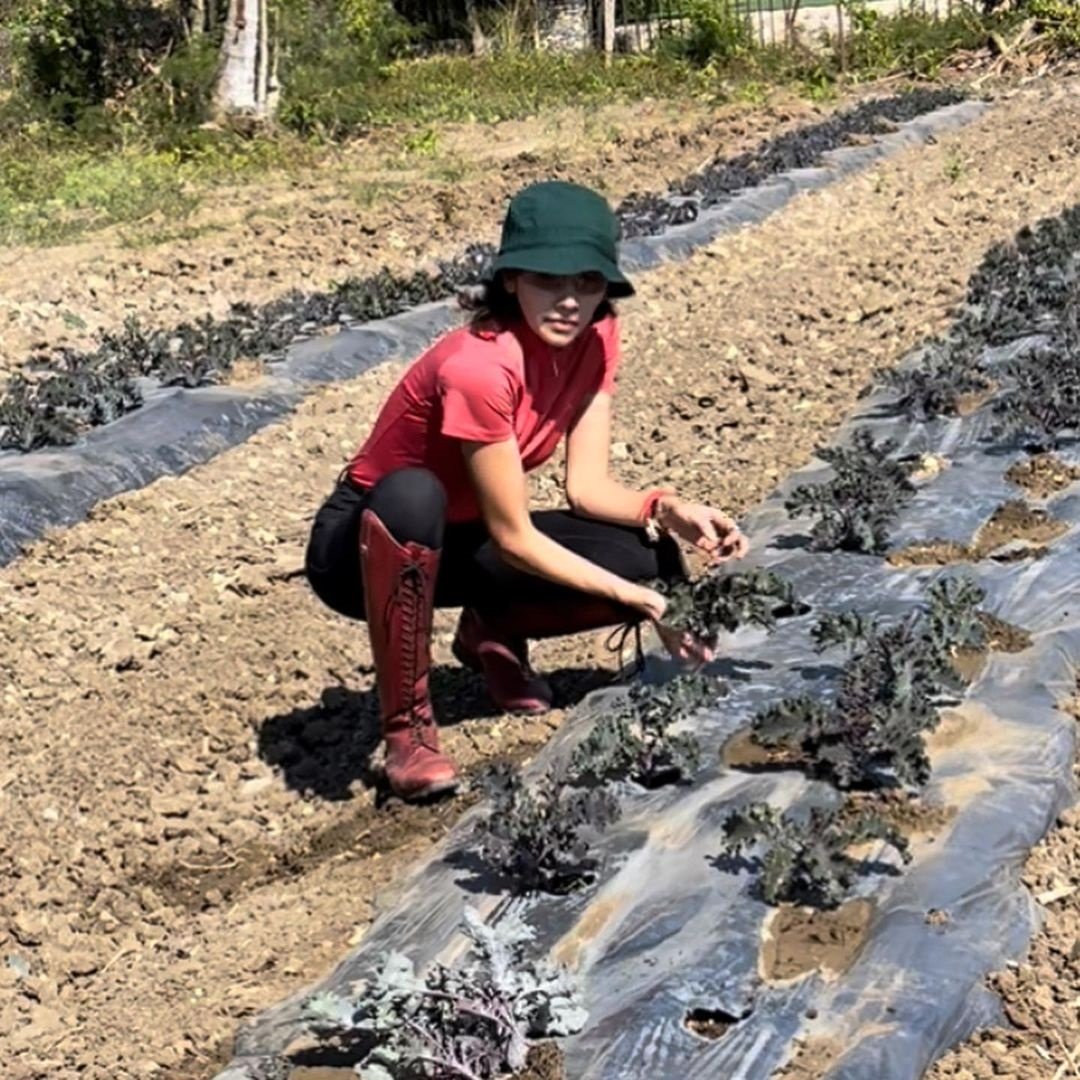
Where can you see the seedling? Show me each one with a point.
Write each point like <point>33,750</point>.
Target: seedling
<point>808,861</point>
<point>650,213</point>
<point>537,835</point>
<point>474,1023</point>
<point>718,602</point>
<point>856,508</point>
<point>889,691</point>
<point>74,391</point>
<point>634,741</point>
<point>1022,288</point>
<point>936,384</point>
<point>1043,396</point>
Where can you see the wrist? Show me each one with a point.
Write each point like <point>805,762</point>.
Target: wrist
<point>649,514</point>
<point>666,506</point>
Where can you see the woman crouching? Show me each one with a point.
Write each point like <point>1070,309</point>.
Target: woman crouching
<point>433,510</point>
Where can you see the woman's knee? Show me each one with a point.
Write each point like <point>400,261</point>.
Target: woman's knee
<point>411,503</point>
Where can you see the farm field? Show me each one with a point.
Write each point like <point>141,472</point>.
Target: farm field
<point>190,829</point>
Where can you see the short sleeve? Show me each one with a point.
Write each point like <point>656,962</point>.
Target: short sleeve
<point>479,395</point>
<point>612,354</point>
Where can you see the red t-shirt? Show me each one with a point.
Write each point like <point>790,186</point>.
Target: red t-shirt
<point>479,386</point>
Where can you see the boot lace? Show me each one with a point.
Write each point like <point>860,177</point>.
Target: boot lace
<point>406,597</point>
<point>616,644</point>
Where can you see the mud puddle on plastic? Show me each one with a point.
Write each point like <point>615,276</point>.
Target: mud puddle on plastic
<point>1042,475</point>
<point>1014,531</point>
<point>800,940</point>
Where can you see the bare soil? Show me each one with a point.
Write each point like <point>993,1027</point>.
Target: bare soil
<point>1001,636</point>
<point>1042,475</point>
<point>1039,994</point>
<point>1029,528</point>
<point>741,751</point>
<point>174,701</point>
<point>913,816</point>
<point>799,940</point>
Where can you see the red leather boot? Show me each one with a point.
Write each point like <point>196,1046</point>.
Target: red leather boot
<point>399,593</point>
<point>497,645</point>
<point>503,660</point>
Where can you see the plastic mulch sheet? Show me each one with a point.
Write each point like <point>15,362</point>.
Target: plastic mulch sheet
<point>179,428</point>
<point>666,929</point>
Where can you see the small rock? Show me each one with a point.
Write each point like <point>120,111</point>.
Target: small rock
<point>81,963</point>
<point>29,928</point>
<point>170,805</point>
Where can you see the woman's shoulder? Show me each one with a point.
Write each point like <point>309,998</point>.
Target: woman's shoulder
<point>470,344</point>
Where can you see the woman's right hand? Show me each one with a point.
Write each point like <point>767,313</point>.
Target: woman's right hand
<point>682,646</point>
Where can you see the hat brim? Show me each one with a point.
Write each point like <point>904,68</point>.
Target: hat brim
<point>564,261</point>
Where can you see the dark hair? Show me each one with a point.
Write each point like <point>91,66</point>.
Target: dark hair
<point>492,307</point>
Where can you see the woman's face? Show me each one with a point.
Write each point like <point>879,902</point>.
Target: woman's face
<point>557,308</point>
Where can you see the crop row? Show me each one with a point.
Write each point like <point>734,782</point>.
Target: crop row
<point>63,392</point>
<point>865,733</point>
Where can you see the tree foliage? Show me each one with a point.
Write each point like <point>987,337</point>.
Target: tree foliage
<point>88,51</point>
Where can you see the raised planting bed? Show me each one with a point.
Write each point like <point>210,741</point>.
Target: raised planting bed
<point>830,908</point>
<point>150,403</point>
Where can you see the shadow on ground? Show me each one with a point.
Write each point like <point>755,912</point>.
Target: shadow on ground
<point>324,748</point>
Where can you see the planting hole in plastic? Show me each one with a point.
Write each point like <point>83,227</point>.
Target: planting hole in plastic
<point>711,1024</point>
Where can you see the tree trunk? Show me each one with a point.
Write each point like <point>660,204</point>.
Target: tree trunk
<point>195,17</point>
<point>480,44</point>
<point>243,86</point>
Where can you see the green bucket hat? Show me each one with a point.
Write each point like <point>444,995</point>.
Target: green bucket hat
<point>555,227</point>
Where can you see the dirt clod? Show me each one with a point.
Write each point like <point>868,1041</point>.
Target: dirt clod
<point>545,1062</point>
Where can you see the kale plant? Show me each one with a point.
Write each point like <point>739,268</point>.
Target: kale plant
<point>718,602</point>
<point>888,693</point>
<point>858,505</point>
<point>72,391</point>
<point>1042,398</point>
<point>474,1023</point>
<point>806,861</point>
<point>634,740</point>
<point>936,383</point>
<point>1023,287</point>
<point>536,835</point>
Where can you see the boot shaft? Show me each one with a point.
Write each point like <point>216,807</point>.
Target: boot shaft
<point>399,596</point>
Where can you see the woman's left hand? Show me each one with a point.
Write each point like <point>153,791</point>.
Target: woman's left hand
<point>708,529</point>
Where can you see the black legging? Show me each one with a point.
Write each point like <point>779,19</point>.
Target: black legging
<point>411,503</point>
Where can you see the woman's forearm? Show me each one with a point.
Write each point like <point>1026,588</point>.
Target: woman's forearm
<point>608,500</point>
